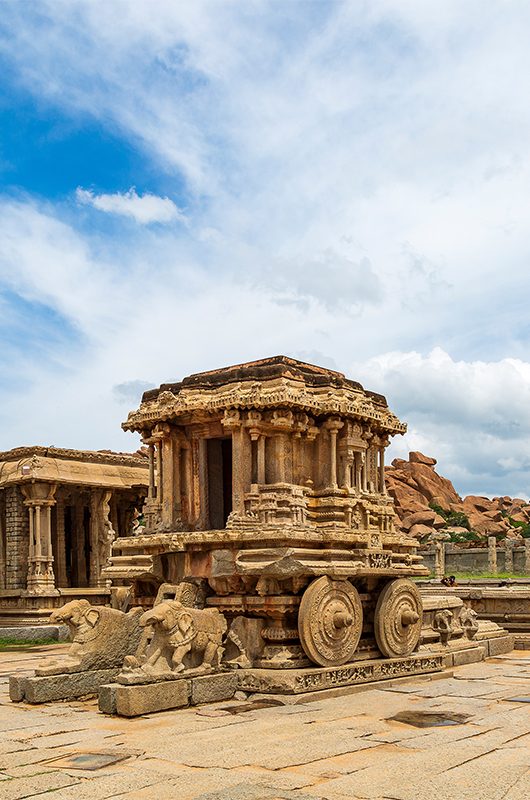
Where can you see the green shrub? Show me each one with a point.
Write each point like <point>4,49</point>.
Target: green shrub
<point>523,527</point>
<point>453,519</point>
<point>458,537</point>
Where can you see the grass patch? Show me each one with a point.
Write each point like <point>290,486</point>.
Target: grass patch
<point>7,644</point>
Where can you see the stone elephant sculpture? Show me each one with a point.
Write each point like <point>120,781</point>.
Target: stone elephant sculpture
<point>101,637</point>
<point>183,639</point>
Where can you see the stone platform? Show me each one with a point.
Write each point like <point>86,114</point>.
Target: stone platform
<point>65,686</point>
<point>337,748</point>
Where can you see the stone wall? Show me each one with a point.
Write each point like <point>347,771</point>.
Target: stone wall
<point>16,538</point>
<point>476,559</point>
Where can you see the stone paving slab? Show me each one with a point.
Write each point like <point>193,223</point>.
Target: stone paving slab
<point>340,748</point>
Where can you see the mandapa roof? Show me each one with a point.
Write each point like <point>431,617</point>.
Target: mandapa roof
<point>274,382</point>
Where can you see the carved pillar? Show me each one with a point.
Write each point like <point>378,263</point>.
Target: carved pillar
<point>364,478</point>
<point>382,488</point>
<point>492,555</point>
<point>241,465</point>
<point>151,488</point>
<point>261,460</point>
<point>527,556</point>
<point>93,571</point>
<point>333,425</point>
<point>39,500</point>
<point>171,479</point>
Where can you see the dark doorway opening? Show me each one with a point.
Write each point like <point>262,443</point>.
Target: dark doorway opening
<point>219,457</point>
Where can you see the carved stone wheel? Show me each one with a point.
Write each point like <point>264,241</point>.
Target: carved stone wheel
<point>330,621</point>
<point>398,618</point>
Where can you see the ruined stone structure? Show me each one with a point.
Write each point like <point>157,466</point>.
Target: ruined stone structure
<point>267,481</point>
<point>60,511</point>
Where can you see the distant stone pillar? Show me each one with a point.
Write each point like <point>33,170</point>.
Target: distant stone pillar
<point>492,555</point>
<point>439,559</point>
<point>527,556</point>
<point>508,555</point>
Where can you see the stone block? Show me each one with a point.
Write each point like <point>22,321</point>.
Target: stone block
<point>145,698</point>
<point>16,688</point>
<point>500,644</point>
<point>468,656</point>
<point>107,698</point>
<point>213,688</point>
<point>43,689</point>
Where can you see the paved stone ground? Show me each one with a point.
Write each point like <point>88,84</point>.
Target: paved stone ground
<point>336,749</point>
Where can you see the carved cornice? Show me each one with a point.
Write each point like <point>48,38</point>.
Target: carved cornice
<point>349,400</point>
<point>90,456</point>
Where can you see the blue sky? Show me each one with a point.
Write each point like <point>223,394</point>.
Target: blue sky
<point>345,182</point>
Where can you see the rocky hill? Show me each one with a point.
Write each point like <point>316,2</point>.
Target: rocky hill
<point>428,504</point>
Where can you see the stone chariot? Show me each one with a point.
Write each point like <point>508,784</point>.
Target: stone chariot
<point>267,495</point>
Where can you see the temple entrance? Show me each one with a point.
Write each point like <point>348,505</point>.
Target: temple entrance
<point>219,458</point>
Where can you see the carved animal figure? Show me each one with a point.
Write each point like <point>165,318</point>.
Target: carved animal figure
<point>469,621</point>
<point>183,639</point>
<point>443,623</point>
<point>101,637</point>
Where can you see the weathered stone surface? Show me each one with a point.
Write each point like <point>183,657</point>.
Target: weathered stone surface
<point>107,698</point>
<point>35,633</point>
<point>183,640</point>
<point>500,644</point>
<point>416,457</point>
<point>296,681</point>
<point>101,638</point>
<point>44,689</point>
<point>213,688</point>
<point>468,655</point>
<point>415,485</point>
<point>132,701</point>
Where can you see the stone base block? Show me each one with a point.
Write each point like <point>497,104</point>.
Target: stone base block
<point>34,633</point>
<point>213,688</point>
<point>522,641</point>
<point>66,686</point>
<point>296,681</point>
<point>468,655</point>
<point>500,644</point>
<point>146,698</point>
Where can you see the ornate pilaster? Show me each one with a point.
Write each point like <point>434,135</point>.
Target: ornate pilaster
<point>40,497</point>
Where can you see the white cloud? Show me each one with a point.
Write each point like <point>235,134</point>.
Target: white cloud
<point>144,209</point>
<point>473,416</point>
<point>355,179</point>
